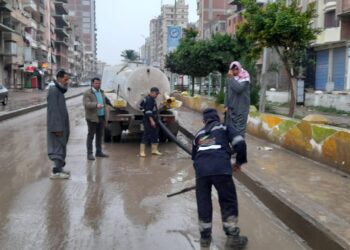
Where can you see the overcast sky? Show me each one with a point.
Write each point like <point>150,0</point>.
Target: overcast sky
<point>123,24</point>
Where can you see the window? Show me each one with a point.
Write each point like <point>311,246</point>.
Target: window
<point>86,14</point>
<point>85,2</point>
<point>330,19</point>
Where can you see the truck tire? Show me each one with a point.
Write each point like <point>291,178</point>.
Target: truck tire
<point>107,135</point>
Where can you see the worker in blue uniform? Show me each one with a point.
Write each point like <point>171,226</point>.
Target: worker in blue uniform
<point>211,155</point>
<point>151,128</point>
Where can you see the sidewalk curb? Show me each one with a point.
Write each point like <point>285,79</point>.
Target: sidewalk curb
<point>302,224</point>
<point>26,110</point>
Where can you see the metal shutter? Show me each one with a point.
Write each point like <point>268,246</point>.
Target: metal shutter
<point>321,69</point>
<point>339,68</point>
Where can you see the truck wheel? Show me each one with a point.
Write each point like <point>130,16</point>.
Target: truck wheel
<point>117,138</point>
<point>107,135</point>
<point>4,102</point>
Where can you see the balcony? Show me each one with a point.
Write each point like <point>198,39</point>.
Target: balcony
<point>61,32</point>
<point>30,6</point>
<point>33,24</point>
<point>329,5</point>
<point>61,20</point>
<point>5,27</point>
<point>5,5</point>
<point>61,1</point>
<point>61,8</point>
<point>10,48</point>
<point>344,8</point>
<point>329,35</point>
<point>62,41</point>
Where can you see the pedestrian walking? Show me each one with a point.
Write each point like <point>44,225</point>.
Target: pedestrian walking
<point>151,128</point>
<point>95,102</point>
<point>237,98</point>
<point>211,155</point>
<point>58,125</point>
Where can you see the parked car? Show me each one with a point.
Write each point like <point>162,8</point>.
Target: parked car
<point>84,84</point>
<point>3,95</point>
<point>49,84</point>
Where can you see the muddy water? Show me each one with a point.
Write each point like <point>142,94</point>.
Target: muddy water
<point>114,203</point>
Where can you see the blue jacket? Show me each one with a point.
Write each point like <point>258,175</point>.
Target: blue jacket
<point>211,149</point>
<point>149,106</point>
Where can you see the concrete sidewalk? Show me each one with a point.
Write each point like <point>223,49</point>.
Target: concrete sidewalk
<point>27,100</point>
<point>310,198</point>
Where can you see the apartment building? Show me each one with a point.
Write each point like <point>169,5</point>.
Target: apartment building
<point>332,48</point>
<point>171,16</point>
<point>154,41</point>
<point>12,23</point>
<point>83,14</point>
<point>212,16</point>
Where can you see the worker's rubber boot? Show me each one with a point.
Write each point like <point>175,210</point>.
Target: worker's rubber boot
<point>142,150</point>
<point>235,241</point>
<point>155,149</point>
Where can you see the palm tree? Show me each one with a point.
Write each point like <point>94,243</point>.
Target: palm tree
<point>130,55</point>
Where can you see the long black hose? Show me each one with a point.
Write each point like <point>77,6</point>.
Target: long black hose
<point>172,137</point>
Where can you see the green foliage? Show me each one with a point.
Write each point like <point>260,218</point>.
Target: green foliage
<point>130,55</point>
<point>331,110</point>
<point>285,28</point>
<point>254,95</point>
<point>220,98</point>
<point>191,57</point>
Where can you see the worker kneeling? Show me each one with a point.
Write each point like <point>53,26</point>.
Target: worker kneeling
<point>151,128</point>
<point>211,155</point>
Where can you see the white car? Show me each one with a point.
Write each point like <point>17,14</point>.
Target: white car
<point>49,85</point>
<point>3,95</point>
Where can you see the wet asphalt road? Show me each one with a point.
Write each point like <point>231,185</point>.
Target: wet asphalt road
<point>114,203</point>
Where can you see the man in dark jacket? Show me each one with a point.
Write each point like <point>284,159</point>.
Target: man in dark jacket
<point>211,155</point>
<point>151,129</point>
<point>96,114</point>
<point>58,125</point>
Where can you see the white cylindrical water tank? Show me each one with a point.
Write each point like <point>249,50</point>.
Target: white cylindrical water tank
<point>136,83</point>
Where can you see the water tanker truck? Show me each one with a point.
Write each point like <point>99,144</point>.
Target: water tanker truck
<point>126,85</point>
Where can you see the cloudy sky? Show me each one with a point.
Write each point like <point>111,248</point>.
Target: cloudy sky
<point>123,24</point>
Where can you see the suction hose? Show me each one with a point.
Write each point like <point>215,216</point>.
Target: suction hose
<point>172,137</point>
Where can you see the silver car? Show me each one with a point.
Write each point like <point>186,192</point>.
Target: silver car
<point>3,95</point>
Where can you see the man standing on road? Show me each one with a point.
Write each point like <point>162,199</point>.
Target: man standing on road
<point>151,129</point>
<point>211,153</point>
<point>95,113</point>
<point>58,125</point>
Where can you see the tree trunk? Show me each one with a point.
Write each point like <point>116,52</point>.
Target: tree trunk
<point>292,83</point>
<point>262,99</point>
<point>192,92</point>
<point>292,103</point>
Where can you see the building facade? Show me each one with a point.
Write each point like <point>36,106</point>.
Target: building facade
<point>83,15</point>
<point>212,16</point>
<point>332,48</point>
<point>171,15</point>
